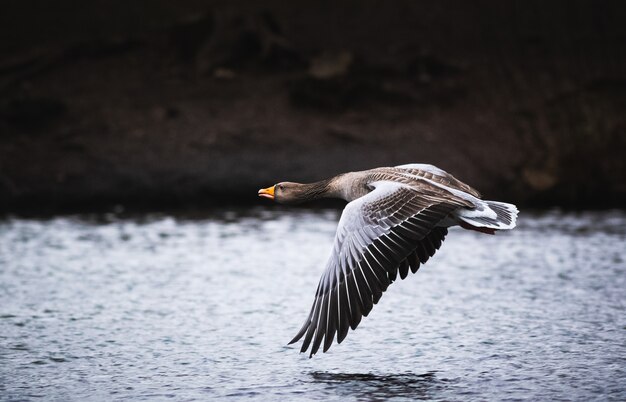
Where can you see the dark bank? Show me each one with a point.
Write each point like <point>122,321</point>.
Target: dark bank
<point>156,104</point>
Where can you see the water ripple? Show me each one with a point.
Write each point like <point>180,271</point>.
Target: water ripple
<point>197,307</point>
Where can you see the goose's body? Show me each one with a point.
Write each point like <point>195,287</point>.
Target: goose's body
<point>395,220</point>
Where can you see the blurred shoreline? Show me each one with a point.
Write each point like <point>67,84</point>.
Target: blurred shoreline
<point>158,106</point>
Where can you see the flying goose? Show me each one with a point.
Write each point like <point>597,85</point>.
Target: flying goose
<point>395,220</point>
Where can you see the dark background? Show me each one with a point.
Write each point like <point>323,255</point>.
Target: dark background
<point>156,104</point>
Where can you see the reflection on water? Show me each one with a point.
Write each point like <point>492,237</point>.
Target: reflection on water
<point>381,387</point>
<point>200,307</point>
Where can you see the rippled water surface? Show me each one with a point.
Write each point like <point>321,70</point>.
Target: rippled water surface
<point>158,307</point>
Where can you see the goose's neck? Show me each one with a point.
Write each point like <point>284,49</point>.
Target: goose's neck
<point>320,189</point>
<point>346,186</point>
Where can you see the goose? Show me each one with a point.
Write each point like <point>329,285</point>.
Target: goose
<point>396,219</point>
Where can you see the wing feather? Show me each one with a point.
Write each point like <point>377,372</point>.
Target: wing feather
<point>393,228</point>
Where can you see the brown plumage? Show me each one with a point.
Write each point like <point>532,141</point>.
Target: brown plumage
<point>395,220</point>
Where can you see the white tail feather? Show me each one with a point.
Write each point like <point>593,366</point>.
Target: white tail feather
<point>490,214</point>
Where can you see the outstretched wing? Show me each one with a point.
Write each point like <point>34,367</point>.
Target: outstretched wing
<point>389,230</point>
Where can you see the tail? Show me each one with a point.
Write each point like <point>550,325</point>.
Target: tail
<point>488,216</point>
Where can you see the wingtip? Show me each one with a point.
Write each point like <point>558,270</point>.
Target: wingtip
<point>326,347</point>
<point>300,334</point>
<point>341,337</point>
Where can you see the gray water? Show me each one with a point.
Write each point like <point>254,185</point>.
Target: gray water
<point>200,308</point>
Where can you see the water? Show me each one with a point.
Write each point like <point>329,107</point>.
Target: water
<point>159,307</point>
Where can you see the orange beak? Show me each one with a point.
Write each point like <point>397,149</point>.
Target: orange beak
<point>267,192</point>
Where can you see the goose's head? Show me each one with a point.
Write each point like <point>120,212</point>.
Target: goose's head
<point>286,193</point>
